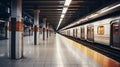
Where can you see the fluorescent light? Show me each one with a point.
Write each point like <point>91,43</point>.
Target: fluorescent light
<point>109,8</point>
<point>67,2</point>
<point>93,15</point>
<point>62,16</point>
<point>59,23</point>
<point>64,10</point>
<point>61,19</point>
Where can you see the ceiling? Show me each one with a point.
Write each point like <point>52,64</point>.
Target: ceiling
<point>52,9</point>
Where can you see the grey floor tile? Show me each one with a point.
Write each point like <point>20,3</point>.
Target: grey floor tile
<point>53,52</point>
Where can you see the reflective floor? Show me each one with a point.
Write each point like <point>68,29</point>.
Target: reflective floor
<point>53,52</point>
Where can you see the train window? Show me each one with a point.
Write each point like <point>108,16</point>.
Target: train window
<point>115,28</point>
<point>100,30</point>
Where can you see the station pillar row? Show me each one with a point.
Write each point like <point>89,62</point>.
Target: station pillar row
<point>36,26</point>
<point>15,48</point>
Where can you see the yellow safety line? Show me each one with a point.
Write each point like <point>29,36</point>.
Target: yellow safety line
<point>99,58</point>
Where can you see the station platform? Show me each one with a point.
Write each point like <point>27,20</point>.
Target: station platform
<point>56,51</point>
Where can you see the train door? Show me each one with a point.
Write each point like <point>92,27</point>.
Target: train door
<point>76,32</point>
<point>73,33</point>
<point>90,33</point>
<point>69,32</point>
<point>115,33</point>
<point>82,33</point>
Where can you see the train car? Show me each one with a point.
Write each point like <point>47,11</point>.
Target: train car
<point>78,32</point>
<point>64,32</point>
<point>71,32</point>
<point>75,32</point>
<point>68,32</point>
<point>90,32</point>
<point>106,32</point>
<point>102,32</point>
<point>83,32</point>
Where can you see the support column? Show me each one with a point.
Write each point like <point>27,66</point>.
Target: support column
<point>32,34</point>
<point>7,30</point>
<point>50,30</point>
<point>44,28</point>
<point>16,31</point>
<point>36,26</point>
<point>47,29</point>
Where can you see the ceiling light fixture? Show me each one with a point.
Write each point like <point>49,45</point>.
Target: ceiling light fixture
<point>62,16</point>
<point>64,11</point>
<point>67,2</point>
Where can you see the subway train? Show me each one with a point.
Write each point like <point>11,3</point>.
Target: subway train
<point>105,31</point>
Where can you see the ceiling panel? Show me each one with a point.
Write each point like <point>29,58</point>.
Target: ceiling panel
<point>52,9</point>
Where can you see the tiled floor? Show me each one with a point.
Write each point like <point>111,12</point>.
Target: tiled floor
<point>54,52</point>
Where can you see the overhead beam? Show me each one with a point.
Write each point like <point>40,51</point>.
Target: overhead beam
<point>52,9</point>
<point>54,12</point>
<point>56,1</point>
<point>36,1</point>
<point>46,5</point>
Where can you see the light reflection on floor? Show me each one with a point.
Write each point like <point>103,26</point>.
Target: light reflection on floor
<point>53,52</point>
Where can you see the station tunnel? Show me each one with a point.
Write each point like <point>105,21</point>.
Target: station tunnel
<point>59,33</point>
